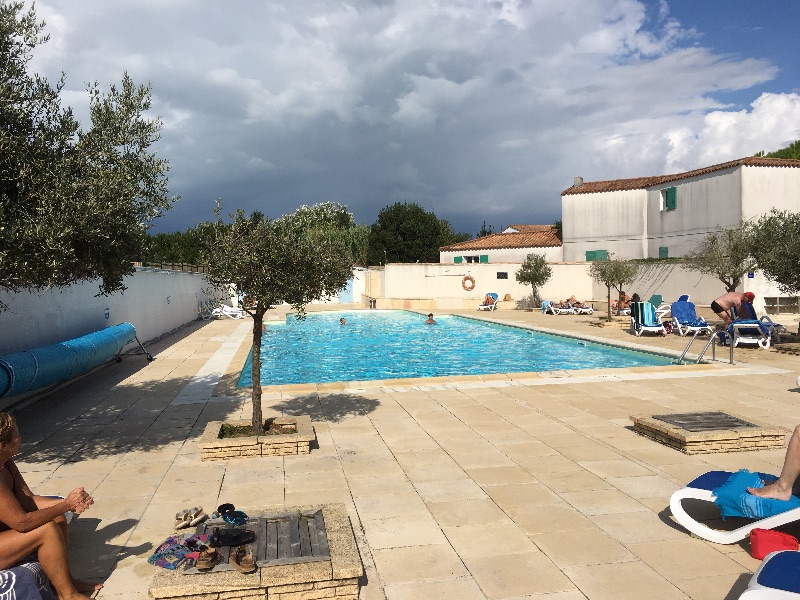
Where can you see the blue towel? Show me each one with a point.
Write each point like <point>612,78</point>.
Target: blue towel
<point>733,499</point>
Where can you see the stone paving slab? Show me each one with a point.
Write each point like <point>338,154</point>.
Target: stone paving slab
<point>562,440</point>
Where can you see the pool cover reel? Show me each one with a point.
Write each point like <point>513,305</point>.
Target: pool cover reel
<point>33,369</point>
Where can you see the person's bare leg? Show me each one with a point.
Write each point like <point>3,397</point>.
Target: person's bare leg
<point>49,544</point>
<point>782,489</point>
<point>82,586</point>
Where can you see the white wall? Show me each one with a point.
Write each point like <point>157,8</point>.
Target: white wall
<point>155,302</point>
<point>442,283</point>
<point>505,255</point>
<point>765,188</point>
<point>612,221</point>
<point>704,204</point>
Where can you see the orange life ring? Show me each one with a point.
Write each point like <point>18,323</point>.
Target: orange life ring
<point>468,283</point>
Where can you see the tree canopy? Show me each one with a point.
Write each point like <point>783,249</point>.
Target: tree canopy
<point>534,272</point>
<point>297,258</point>
<point>724,254</point>
<point>408,233</point>
<point>791,151</point>
<point>613,273</point>
<point>74,204</point>
<point>774,246</point>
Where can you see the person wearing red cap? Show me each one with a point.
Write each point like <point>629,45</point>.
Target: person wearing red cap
<point>722,305</point>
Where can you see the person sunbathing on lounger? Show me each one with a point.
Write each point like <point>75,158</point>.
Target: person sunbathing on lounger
<point>30,523</point>
<point>782,488</point>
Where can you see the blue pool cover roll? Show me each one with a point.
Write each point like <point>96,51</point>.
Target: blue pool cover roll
<point>33,369</point>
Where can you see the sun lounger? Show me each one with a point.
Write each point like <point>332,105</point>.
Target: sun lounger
<point>703,488</point>
<point>748,328</point>
<point>644,318</point>
<point>489,306</point>
<point>228,311</point>
<point>685,319</point>
<point>549,308</point>
<point>777,578</point>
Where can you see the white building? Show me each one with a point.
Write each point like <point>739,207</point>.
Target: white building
<point>667,215</point>
<point>512,245</point>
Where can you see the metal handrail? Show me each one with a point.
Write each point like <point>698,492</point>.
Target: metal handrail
<point>711,342</point>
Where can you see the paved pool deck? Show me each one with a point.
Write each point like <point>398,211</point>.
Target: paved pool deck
<point>495,487</point>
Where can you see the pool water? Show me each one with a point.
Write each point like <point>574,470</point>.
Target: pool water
<point>397,344</point>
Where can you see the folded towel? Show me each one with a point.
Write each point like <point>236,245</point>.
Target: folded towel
<point>733,499</point>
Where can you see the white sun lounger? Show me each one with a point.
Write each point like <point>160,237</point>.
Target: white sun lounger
<point>702,489</point>
<point>776,579</point>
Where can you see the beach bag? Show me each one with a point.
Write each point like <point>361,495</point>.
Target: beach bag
<point>764,541</point>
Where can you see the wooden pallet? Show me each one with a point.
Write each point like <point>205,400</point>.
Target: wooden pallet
<point>281,539</point>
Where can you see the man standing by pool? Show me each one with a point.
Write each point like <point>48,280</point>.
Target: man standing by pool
<point>722,305</point>
<point>430,320</point>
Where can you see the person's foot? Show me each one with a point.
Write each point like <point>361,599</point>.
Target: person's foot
<point>771,491</point>
<point>86,587</point>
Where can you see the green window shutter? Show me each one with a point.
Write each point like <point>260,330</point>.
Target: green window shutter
<point>484,258</point>
<point>663,252</point>
<point>672,198</point>
<point>601,254</point>
<point>458,259</point>
<point>589,255</point>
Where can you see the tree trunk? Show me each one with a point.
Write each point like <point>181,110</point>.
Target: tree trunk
<point>608,287</point>
<point>255,362</point>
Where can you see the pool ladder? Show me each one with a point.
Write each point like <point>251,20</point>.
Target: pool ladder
<point>711,342</point>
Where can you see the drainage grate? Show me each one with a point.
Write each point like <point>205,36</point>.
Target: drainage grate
<point>704,421</point>
<point>281,539</point>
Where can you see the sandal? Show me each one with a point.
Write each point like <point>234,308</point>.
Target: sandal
<point>242,559</point>
<point>197,517</point>
<point>208,559</point>
<point>231,537</point>
<point>182,519</point>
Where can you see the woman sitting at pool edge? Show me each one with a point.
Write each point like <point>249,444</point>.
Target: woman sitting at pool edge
<point>30,523</point>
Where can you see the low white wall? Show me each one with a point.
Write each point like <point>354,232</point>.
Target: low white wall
<point>442,283</point>
<point>155,302</point>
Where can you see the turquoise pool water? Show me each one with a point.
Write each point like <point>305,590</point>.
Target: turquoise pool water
<point>397,344</point>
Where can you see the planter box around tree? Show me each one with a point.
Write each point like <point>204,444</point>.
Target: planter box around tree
<point>284,435</point>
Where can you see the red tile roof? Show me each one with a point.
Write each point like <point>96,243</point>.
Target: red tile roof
<point>639,183</point>
<point>543,236</point>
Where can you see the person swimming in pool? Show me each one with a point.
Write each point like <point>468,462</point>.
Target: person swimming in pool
<point>342,321</point>
<point>430,320</point>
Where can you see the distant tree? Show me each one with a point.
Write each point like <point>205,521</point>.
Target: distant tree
<point>613,273</point>
<point>557,225</point>
<point>791,151</point>
<point>724,254</point>
<point>297,258</point>
<point>774,246</point>
<point>408,233</point>
<point>74,204</point>
<point>359,244</point>
<point>484,231</point>
<point>534,272</point>
<point>176,247</point>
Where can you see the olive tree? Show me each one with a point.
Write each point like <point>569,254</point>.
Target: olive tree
<point>295,259</point>
<point>613,273</point>
<point>774,245</point>
<point>534,272</point>
<point>74,203</point>
<point>724,254</point>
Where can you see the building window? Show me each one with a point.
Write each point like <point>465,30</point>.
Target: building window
<point>669,199</point>
<point>458,260</point>
<point>471,259</point>
<point>663,252</point>
<point>502,275</point>
<point>782,305</point>
<point>484,258</point>
<point>592,255</point>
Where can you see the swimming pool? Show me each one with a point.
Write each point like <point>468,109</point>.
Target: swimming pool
<point>394,344</point>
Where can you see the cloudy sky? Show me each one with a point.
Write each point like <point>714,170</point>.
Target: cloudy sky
<point>477,110</point>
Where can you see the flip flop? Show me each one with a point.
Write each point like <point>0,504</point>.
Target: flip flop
<point>242,559</point>
<point>183,518</point>
<point>197,517</point>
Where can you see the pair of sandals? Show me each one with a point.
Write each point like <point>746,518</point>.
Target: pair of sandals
<point>190,517</point>
<point>241,556</point>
